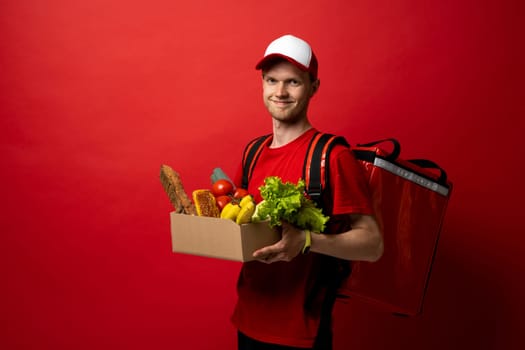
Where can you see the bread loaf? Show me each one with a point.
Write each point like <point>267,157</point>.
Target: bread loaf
<point>172,184</point>
<point>205,203</point>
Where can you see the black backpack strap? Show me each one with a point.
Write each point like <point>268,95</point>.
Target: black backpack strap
<point>316,164</point>
<point>251,154</point>
<point>316,176</point>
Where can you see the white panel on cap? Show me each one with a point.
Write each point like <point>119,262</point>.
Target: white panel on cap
<point>293,47</point>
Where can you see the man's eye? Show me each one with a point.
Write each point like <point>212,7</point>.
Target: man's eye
<point>294,82</point>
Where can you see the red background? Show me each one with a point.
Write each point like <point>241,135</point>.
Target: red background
<point>96,95</point>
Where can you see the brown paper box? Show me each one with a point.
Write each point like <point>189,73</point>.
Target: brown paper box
<point>219,238</point>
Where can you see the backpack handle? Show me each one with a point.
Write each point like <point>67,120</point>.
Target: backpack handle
<point>396,150</point>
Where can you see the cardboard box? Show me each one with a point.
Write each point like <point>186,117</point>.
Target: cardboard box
<point>219,238</point>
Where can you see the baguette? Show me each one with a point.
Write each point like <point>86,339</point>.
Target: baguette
<point>172,184</point>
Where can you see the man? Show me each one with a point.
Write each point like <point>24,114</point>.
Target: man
<point>285,298</point>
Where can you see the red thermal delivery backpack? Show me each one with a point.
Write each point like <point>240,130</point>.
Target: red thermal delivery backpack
<point>410,198</point>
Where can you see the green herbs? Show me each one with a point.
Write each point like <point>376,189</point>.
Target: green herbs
<point>287,201</point>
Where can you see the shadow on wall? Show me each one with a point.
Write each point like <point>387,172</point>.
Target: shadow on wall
<point>464,308</point>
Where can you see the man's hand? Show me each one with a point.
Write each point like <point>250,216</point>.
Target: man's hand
<point>290,245</point>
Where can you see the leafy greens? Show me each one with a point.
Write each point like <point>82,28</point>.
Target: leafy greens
<point>287,201</point>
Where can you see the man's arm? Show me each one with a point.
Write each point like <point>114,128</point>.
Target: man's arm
<point>364,242</point>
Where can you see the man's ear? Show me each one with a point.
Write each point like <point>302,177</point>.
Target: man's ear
<point>315,86</point>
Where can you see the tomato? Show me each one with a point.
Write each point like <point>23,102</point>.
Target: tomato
<point>222,201</point>
<point>222,188</point>
<point>240,193</point>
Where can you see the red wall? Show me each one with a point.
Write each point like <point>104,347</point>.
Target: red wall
<point>95,96</point>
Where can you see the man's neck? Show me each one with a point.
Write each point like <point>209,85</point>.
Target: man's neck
<point>285,133</point>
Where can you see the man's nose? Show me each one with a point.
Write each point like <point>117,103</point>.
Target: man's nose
<point>280,90</point>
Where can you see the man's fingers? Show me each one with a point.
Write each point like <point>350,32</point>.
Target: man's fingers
<point>262,253</point>
<point>269,254</point>
<point>271,249</point>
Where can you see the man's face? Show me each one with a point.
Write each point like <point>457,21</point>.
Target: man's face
<point>287,91</point>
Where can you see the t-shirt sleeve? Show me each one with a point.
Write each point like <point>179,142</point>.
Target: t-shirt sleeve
<point>348,183</point>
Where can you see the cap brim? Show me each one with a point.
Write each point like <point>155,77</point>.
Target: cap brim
<point>276,56</point>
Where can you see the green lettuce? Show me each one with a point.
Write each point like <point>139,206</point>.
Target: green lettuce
<point>287,201</point>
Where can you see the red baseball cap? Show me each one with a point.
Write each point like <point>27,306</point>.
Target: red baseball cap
<point>293,50</point>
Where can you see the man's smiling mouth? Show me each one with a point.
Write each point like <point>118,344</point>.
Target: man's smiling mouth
<point>282,102</point>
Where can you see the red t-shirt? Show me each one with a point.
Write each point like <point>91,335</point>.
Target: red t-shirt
<point>271,297</point>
